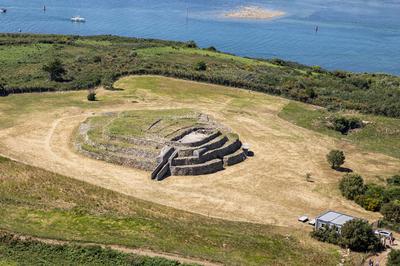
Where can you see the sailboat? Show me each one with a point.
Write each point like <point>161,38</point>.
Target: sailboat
<point>3,10</point>
<point>78,19</point>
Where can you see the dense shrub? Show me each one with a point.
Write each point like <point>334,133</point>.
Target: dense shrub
<point>391,211</point>
<point>3,91</point>
<point>335,158</point>
<point>212,49</point>
<point>91,96</point>
<point>372,199</point>
<point>191,44</point>
<point>344,124</point>
<point>391,193</point>
<point>394,180</point>
<point>55,69</point>
<point>201,66</point>
<point>394,258</point>
<point>352,185</point>
<point>358,235</point>
<point>327,234</point>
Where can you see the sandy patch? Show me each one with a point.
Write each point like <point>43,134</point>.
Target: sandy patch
<point>254,12</point>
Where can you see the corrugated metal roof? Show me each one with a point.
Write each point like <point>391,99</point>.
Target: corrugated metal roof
<point>335,217</point>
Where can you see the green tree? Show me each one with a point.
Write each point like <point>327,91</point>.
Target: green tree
<point>91,96</point>
<point>327,234</point>
<point>391,193</point>
<point>191,44</point>
<point>394,180</point>
<point>55,69</point>
<point>351,186</point>
<point>3,90</point>
<point>373,197</point>
<point>201,66</point>
<point>391,211</point>
<point>335,158</point>
<point>394,258</point>
<point>358,235</point>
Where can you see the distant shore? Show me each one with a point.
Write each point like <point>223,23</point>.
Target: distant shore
<point>254,12</point>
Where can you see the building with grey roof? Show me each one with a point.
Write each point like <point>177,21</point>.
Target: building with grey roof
<point>332,218</point>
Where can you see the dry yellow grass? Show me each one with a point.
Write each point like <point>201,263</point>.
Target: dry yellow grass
<point>268,188</point>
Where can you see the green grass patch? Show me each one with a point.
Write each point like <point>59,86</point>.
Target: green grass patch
<point>15,250</point>
<point>380,134</point>
<point>39,203</point>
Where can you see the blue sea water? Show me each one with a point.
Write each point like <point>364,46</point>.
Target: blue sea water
<point>355,35</point>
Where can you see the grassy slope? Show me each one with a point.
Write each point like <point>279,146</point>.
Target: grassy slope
<point>40,203</point>
<point>91,61</point>
<point>18,251</point>
<point>381,135</point>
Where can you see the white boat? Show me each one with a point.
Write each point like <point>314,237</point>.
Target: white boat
<point>3,10</point>
<point>78,19</point>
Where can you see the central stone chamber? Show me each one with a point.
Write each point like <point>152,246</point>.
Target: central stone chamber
<point>165,142</point>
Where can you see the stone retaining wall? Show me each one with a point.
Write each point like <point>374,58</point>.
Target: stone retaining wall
<point>234,158</point>
<point>199,169</point>
<point>134,162</point>
<point>223,151</point>
<point>162,160</point>
<point>214,144</point>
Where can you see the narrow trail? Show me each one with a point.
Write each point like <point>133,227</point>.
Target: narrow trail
<point>128,250</point>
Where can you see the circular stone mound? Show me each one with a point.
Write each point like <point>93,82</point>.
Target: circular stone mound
<point>170,141</point>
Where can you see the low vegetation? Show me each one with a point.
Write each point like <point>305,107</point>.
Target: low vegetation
<point>378,133</point>
<point>100,60</point>
<point>394,258</point>
<point>374,197</point>
<point>91,96</point>
<point>343,124</point>
<point>39,203</point>
<point>356,235</point>
<point>15,250</point>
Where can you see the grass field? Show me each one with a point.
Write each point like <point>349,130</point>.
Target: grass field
<point>39,203</point>
<point>101,60</point>
<point>381,134</point>
<point>104,203</point>
<point>15,250</point>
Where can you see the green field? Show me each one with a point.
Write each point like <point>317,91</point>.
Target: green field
<point>380,134</point>
<point>101,60</point>
<point>36,202</point>
<point>15,250</point>
<point>39,203</point>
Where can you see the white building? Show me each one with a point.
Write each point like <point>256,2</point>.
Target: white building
<point>332,218</point>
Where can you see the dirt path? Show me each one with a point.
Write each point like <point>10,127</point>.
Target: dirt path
<point>135,251</point>
<point>268,188</point>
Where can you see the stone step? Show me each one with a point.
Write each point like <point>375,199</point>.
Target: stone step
<point>198,169</point>
<point>229,147</point>
<point>211,145</point>
<point>162,160</point>
<point>234,158</point>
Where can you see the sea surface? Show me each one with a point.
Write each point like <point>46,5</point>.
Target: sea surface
<point>355,35</point>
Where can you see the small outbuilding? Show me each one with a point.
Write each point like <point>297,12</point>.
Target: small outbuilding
<point>332,218</point>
